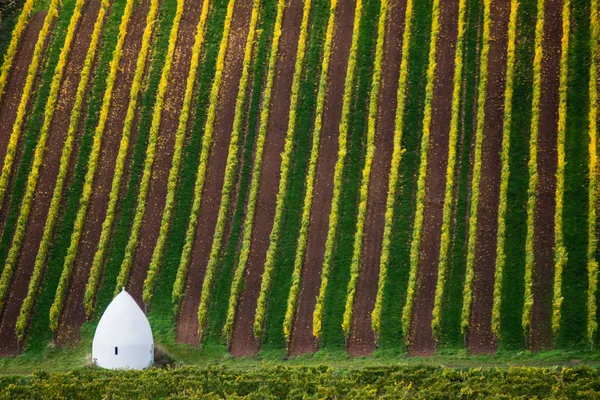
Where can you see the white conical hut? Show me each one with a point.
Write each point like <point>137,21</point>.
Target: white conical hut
<point>123,338</point>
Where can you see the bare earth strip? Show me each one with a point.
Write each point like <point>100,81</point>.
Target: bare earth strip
<point>74,314</point>
<point>215,171</point>
<point>48,173</point>
<point>362,339</point>
<point>187,329</point>
<point>157,193</point>
<point>422,341</point>
<point>302,340</point>
<point>543,272</point>
<point>480,339</point>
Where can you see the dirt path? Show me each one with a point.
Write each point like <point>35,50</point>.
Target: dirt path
<point>157,193</point>
<point>48,173</point>
<point>480,339</point>
<point>362,339</point>
<point>422,341</point>
<point>543,273</point>
<point>302,340</point>
<point>73,311</point>
<point>187,328</point>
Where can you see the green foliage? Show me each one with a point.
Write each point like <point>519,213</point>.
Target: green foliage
<point>318,382</point>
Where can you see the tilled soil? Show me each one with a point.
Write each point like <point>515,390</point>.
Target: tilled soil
<point>13,91</point>
<point>302,340</point>
<point>362,339</point>
<point>187,324</point>
<point>48,174</point>
<point>157,193</point>
<point>543,272</point>
<point>73,310</point>
<point>276,130</point>
<point>422,341</point>
<point>480,339</point>
<point>243,342</point>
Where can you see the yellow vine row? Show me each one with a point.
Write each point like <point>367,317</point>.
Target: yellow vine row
<point>19,235</point>
<point>11,149</point>
<point>14,43</point>
<point>394,167</point>
<point>418,222</point>
<point>181,129</point>
<point>151,151</point>
<point>476,179</point>
<point>314,154</point>
<point>436,320</point>
<point>270,258</point>
<point>533,175</point>
<point>592,264</point>
<point>123,277</point>
<point>178,287</point>
<point>505,171</point>
<point>96,145</point>
<point>338,174</point>
<point>7,272</point>
<point>366,174</point>
<point>560,251</point>
<point>232,162</point>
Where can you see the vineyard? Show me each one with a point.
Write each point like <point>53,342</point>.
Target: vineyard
<point>293,176</point>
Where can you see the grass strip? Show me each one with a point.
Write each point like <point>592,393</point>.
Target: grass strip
<point>366,173</point>
<point>505,171</point>
<point>338,174</point>
<point>533,166</point>
<point>445,238</point>
<point>476,178</point>
<point>152,276</point>
<point>560,251</point>
<point>420,199</point>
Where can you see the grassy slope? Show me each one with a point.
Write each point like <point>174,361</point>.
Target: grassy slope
<point>451,310</point>
<point>333,335</point>
<point>574,290</point>
<point>516,224</point>
<point>397,279</point>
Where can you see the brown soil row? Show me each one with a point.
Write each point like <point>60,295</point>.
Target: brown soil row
<point>9,102</point>
<point>543,273</point>
<point>362,339</point>
<point>480,339</point>
<point>243,342</point>
<point>157,193</point>
<point>73,312</point>
<point>48,174</point>
<point>422,341</point>
<point>302,340</point>
<point>187,326</point>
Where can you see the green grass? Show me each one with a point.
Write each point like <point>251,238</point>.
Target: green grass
<point>452,305</point>
<point>513,287</point>
<point>397,279</point>
<point>575,283</point>
<point>9,14</point>
<point>274,338</point>
<point>335,300</point>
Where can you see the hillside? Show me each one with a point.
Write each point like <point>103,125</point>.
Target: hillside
<point>289,177</point>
